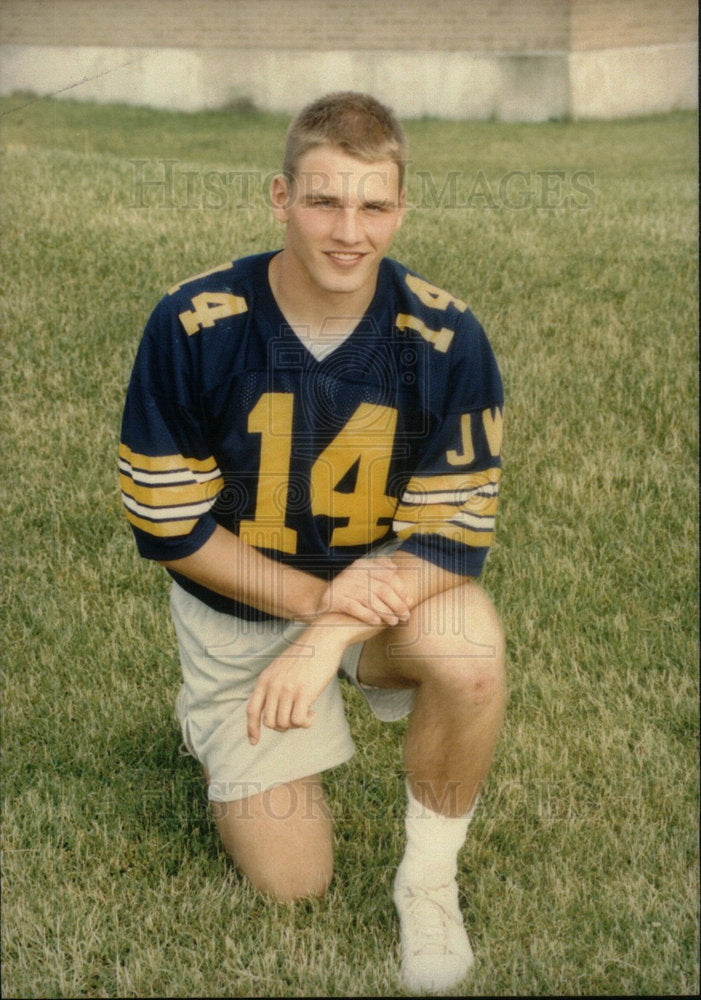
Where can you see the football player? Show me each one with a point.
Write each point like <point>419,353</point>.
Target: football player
<point>311,447</point>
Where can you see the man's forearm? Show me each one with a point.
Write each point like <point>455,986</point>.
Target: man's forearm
<point>372,592</point>
<point>236,570</point>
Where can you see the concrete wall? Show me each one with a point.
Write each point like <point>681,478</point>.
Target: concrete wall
<point>507,59</point>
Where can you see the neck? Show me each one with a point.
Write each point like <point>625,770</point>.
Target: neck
<point>306,307</point>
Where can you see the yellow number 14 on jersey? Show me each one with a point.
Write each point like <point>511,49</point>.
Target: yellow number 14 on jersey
<point>348,479</point>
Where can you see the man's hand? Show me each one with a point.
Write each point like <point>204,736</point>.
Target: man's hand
<point>369,590</point>
<point>288,687</point>
<point>286,690</point>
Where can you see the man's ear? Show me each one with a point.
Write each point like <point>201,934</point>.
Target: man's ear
<point>280,196</point>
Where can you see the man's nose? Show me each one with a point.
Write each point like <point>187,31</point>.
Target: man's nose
<point>346,228</point>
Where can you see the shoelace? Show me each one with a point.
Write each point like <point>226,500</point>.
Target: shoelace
<point>433,918</point>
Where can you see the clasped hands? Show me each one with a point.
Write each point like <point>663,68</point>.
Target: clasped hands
<point>367,596</point>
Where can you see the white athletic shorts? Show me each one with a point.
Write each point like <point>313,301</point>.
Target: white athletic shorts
<point>221,657</point>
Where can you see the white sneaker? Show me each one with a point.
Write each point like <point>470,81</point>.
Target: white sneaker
<point>436,951</point>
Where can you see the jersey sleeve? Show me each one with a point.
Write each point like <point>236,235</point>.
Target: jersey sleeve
<point>169,479</point>
<point>447,510</point>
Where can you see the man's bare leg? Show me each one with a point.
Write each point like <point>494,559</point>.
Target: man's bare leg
<point>452,651</point>
<point>282,839</point>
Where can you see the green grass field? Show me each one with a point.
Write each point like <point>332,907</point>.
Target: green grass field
<point>575,244</point>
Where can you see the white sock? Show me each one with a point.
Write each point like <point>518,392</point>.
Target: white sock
<point>432,844</point>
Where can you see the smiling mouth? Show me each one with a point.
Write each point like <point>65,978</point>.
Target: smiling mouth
<point>344,257</point>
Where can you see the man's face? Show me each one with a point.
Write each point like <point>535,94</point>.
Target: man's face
<point>341,215</point>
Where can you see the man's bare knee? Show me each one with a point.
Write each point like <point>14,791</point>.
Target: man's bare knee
<point>481,682</point>
<point>457,640</point>
<point>292,884</point>
<point>281,839</point>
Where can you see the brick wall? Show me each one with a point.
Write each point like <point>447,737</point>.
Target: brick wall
<point>512,60</point>
<point>601,24</point>
<point>488,26</point>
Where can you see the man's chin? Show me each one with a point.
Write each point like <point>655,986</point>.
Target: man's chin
<point>349,283</point>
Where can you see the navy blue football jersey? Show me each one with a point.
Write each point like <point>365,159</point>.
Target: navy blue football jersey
<point>231,420</point>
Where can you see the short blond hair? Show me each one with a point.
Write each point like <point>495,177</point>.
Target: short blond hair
<point>356,123</point>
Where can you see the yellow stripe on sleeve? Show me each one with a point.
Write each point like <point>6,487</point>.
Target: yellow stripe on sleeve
<point>453,482</point>
<point>455,532</point>
<point>166,463</point>
<point>161,529</point>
